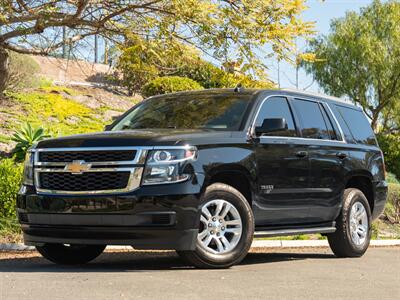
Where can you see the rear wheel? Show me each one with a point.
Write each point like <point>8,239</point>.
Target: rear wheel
<point>226,229</point>
<point>70,254</point>
<point>353,226</point>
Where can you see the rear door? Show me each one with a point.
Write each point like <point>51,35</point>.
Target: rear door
<point>327,154</point>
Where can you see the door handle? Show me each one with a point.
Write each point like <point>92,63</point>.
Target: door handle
<point>302,154</point>
<point>341,155</point>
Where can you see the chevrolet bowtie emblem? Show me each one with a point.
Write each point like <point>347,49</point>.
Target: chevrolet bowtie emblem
<point>77,167</point>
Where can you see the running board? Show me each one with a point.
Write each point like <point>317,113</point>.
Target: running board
<point>281,232</point>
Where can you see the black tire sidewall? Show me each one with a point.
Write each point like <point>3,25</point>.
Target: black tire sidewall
<point>234,197</point>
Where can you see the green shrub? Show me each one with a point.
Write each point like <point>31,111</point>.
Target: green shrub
<point>23,71</point>
<point>10,181</point>
<point>391,178</point>
<point>169,84</point>
<point>390,145</point>
<point>392,209</point>
<point>25,137</point>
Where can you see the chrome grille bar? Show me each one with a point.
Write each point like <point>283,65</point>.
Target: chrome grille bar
<point>135,167</point>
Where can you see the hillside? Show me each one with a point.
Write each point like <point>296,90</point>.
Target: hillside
<point>66,71</point>
<point>62,110</point>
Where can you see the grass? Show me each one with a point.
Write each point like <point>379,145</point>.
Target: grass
<point>10,230</point>
<point>4,139</point>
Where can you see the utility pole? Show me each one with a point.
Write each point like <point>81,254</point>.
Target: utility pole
<point>64,45</point>
<point>105,52</point>
<point>279,73</point>
<point>96,58</point>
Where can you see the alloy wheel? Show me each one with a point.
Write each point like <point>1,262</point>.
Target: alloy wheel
<point>358,223</point>
<point>220,227</point>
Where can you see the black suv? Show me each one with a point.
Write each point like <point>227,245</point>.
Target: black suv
<point>202,173</point>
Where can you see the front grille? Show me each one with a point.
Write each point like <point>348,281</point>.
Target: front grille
<point>87,156</point>
<point>92,181</point>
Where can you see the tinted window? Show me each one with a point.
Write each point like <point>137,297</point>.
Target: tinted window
<point>329,124</point>
<point>219,112</point>
<point>345,129</point>
<point>277,107</point>
<point>358,124</point>
<point>313,123</point>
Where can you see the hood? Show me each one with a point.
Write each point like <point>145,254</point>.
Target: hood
<point>148,137</point>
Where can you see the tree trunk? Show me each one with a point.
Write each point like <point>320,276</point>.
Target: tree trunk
<point>4,69</point>
<point>374,122</point>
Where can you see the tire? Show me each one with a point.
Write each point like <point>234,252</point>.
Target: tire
<point>70,255</point>
<point>222,197</point>
<point>344,241</point>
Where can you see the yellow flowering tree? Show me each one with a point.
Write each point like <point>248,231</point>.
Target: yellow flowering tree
<point>225,29</point>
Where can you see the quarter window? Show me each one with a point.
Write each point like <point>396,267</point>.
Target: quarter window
<point>358,125</point>
<point>277,107</point>
<point>312,120</point>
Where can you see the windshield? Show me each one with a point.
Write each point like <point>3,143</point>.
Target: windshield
<point>219,112</point>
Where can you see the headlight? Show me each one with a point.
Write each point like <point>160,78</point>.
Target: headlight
<point>167,165</point>
<point>28,168</point>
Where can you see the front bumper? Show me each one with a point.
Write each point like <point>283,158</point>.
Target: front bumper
<point>152,217</point>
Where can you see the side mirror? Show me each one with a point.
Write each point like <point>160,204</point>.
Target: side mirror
<point>107,127</point>
<point>271,125</point>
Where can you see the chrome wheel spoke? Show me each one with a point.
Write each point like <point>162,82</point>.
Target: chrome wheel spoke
<point>207,241</point>
<point>226,210</point>
<point>219,245</point>
<point>225,242</point>
<point>233,222</point>
<point>202,234</point>
<point>220,204</point>
<point>356,238</point>
<point>204,220</point>
<point>362,231</point>
<point>234,230</point>
<point>206,212</point>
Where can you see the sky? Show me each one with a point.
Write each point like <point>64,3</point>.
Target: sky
<point>321,13</point>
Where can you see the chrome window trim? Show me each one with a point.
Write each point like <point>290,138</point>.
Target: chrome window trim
<point>337,122</point>
<point>252,128</point>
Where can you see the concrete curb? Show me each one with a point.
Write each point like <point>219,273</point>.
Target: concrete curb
<point>255,244</point>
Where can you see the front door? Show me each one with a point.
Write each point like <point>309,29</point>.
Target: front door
<point>282,170</point>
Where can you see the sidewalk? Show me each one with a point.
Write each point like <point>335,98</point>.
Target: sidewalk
<point>256,244</point>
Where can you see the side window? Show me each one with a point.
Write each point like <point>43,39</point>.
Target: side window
<point>329,125</point>
<point>358,125</point>
<point>346,131</point>
<point>277,107</point>
<point>312,120</point>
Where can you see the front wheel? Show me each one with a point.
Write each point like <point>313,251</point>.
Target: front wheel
<point>226,229</point>
<point>353,226</point>
<point>70,254</point>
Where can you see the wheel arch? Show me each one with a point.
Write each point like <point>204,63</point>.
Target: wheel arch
<point>236,176</point>
<point>364,182</point>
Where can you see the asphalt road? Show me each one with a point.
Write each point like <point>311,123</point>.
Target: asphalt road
<point>264,274</point>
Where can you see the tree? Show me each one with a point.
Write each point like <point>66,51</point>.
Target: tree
<point>223,28</point>
<point>359,59</point>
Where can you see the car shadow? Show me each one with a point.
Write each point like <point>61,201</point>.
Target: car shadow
<point>133,261</point>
